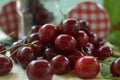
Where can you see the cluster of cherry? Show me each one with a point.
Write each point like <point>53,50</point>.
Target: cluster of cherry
<point>51,49</point>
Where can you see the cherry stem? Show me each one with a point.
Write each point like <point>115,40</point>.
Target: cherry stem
<point>23,44</point>
<point>14,47</point>
<point>27,36</point>
<point>15,51</point>
<point>8,49</point>
<point>84,53</point>
<point>64,15</point>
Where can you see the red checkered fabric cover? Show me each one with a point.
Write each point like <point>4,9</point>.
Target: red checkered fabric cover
<point>95,14</point>
<point>9,19</point>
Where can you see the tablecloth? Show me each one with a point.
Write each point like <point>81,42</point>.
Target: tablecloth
<point>18,73</point>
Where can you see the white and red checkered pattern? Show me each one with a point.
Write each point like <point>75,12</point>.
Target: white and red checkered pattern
<point>95,14</point>
<point>9,19</point>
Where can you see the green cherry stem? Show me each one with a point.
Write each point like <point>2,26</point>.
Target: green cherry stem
<point>64,15</point>
<point>84,53</point>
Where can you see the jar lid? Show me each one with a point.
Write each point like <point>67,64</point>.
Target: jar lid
<point>95,14</point>
<point>9,19</point>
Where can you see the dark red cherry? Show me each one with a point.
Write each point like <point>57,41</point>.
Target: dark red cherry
<point>38,48</point>
<point>103,52</point>
<point>47,33</point>
<point>33,37</point>
<point>6,65</point>
<point>60,64</point>
<point>39,70</point>
<point>15,48</point>
<point>87,67</point>
<point>100,42</point>
<point>82,39</point>
<point>35,28</point>
<point>73,57</point>
<point>65,42</point>
<point>84,25</point>
<point>93,38</point>
<point>24,56</point>
<point>70,26</point>
<point>89,49</point>
<point>49,53</point>
<point>115,68</point>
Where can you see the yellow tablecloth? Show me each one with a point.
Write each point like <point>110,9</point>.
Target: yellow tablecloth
<point>18,73</point>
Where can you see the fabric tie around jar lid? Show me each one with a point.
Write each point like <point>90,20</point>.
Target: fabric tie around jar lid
<point>95,14</point>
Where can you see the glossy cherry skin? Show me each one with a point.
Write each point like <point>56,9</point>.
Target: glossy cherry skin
<point>89,49</point>
<point>73,57</point>
<point>60,64</point>
<point>100,42</point>
<point>70,26</point>
<point>35,28</point>
<point>38,48</point>
<point>93,38</point>
<point>6,65</point>
<point>49,53</point>
<point>115,68</point>
<point>47,33</point>
<point>15,47</point>
<point>39,70</point>
<point>33,37</point>
<point>2,48</point>
<point>84,25</point>
<point>103,52</point>
<point>87,67</point>
<point>24,56</point>
<point>65,42</point>
<point>82,38</point>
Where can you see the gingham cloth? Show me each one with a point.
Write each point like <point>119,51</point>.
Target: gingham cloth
<point>95,14</point>
<point>9,19</point>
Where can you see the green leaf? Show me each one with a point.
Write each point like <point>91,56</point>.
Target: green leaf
<point>6,42</point>
<point>113,9</point>
<point>105,68</point>
<point>114,38</point>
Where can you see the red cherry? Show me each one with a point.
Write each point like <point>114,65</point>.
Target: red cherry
<point>33,37</point>
<point>82,39</point>
<point>60,64</point>
<point>84,25</point>
<point>65,42</point>
<point>100,42</point>
<point>2,48</point>
<point>49,53</point>
<point>35,28</point>
<point>5,65</point>
<point>89,49</point>
<point>103,52</point>
<point>47,33</point>
<point>39,70</point>
<point>115,68</point>
<point>87,67</point>
<point>38,48</point>
<point>15,48</point>
<point>93,38</point>
<point>24,56</point>
<point>70,26</point>
<point>73,57</point>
